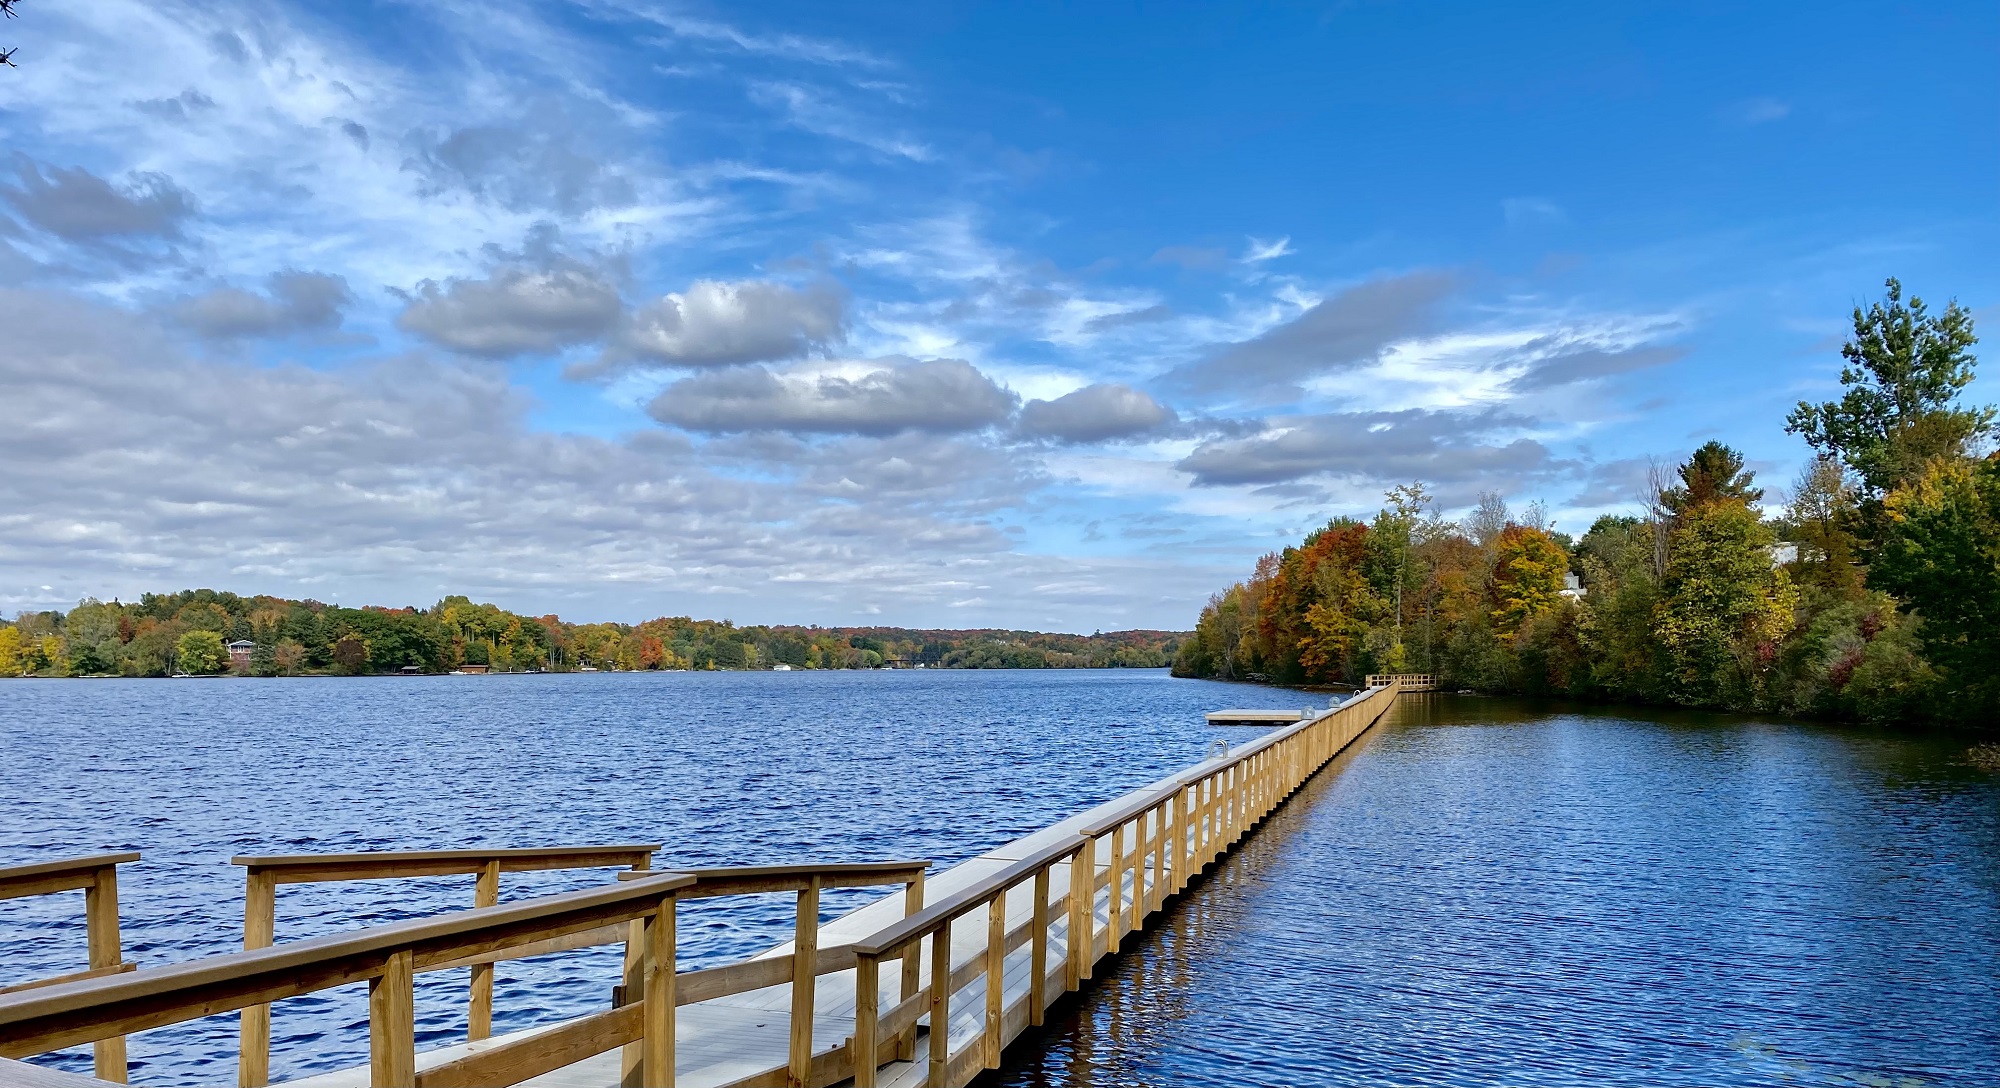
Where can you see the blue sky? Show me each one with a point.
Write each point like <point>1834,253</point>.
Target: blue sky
<point>1051,316</point>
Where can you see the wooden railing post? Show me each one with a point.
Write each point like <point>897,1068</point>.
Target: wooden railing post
<point>805,985</point>
<point>913,964</point>
<point>1038,956</point>
<point>479,1011</point>
<point>1114,929</point>
<point>260,927</point>
<point>940,1055</point>
<point>100,919</point>
<point>1138,921</point>
<point>996,977</point>
<point>1082,914</point>
<point>660,1018</point>
<point>392,1023</point>
<point>1160,853</point>
<point>867,1011</point>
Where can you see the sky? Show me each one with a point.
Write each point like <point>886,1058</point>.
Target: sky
<point>1029,315</point>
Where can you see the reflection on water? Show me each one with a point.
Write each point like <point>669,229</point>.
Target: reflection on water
<point>726,768</point>
<point>1492,892</point>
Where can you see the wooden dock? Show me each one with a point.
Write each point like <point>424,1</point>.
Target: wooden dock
<point>1257,717</point>
<point>925,986</point>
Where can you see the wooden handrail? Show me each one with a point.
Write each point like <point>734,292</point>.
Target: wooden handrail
<point>386,864</point>
<point>755,879</point>
<point>97,876</point>
<point>264,872</point>
<point>891,938</point>
<point>384,956</point>
<point>49,877</point>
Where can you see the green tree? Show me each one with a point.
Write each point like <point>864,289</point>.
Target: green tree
<point>1722,606</point>
<point>1939,554</point>
<point>1905,370</point>
<point>1713,474</point>
<point>201,653</point>
<point>1528,574</point>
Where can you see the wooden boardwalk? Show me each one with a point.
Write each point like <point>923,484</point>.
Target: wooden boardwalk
<point>1003,922</point>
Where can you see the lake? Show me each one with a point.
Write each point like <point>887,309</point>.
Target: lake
<point>1487,891</point>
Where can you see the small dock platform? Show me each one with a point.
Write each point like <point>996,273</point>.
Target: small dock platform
<point>1258,717</point>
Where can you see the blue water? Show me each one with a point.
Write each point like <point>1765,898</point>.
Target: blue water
<point>1486,892</point>
<point>724,768</point>
<point>1491,892</point>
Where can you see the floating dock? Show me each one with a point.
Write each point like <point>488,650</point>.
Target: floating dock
<point>1257,717</point>
<point>924,987</point>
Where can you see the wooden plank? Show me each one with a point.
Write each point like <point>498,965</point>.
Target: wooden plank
<point>543,1052</point>
<point>392,1023</point>
<point>15,1074</point>
<point>707,984</point>
<point>1076,961</point>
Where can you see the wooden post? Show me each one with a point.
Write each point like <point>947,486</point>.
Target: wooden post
<point>940,1063</point>
<point>1082,914</point>
<point>1160,853</point>
<point>867,998</point>
<point>805,984</point>
<point>1114,930</point>
<point>100,918</point>
<point>1038,956</point>
<point>260,928</point>
<point>479,1013</point>
<point>632,1059</point>
<point>913,964</point>
<point>1185,804</point>
<point>392,1023</point>
<point>660,1019</point>
<point>1138,921</point>
<point>996,977</point>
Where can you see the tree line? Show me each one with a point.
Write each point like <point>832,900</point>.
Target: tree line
<point>1869,590</point>
<point>192,631</point>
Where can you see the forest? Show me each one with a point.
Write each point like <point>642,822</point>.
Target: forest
<point>190,633</point>
<point>1869,589</point>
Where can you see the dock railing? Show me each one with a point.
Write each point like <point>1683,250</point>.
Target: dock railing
<point>1151,847</point>
<point>387,958</point>
<point>97,877</point>
<point>263,874</point>
<point>1403,681</point>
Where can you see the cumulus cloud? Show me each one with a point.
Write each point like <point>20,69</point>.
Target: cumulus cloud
<point>720,324</point>
<point>942,396</point>
<point>1095,413</point>
<point>1346,330</point>
<point>293,302</point>
<point>1442,448</point>
<point>401,480</point>
<point>539,300</point>
<point>77,205</point>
